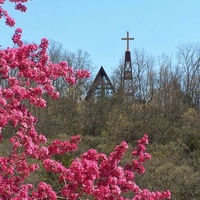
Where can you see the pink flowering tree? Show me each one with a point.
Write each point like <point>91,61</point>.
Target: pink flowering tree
<point>94,174</point>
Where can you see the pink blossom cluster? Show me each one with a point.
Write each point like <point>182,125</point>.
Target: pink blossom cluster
<point>94,174</point>
<point>9,21</point>
<point>34,78</point>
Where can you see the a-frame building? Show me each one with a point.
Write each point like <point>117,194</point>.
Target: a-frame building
<point>101,86</point>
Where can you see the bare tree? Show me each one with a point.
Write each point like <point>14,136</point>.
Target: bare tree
<point>79,60</point>
<point>188,57</point>
<point>143,79</point>
<point>117,75</point>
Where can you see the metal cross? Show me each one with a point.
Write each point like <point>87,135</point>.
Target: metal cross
<point>127,39</point>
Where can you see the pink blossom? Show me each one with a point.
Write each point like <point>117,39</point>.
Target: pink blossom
<point>44,191</point>
<point>71,80</point>
<point>20,7</point>
<point>10,21</point>
<point>17,37</point>
<point>82,74</point>
<point>2,1</point>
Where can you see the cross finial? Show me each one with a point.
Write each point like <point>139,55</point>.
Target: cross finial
<point>127,39</point>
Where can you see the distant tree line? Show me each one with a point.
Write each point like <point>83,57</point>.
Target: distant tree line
<point>159,79</point>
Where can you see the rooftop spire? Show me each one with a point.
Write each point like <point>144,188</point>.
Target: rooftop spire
<point>127,83</point>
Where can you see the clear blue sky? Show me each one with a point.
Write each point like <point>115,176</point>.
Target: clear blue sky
<point>97,26</point>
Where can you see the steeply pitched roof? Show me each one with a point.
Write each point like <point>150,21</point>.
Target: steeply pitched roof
<point>101,86</point>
